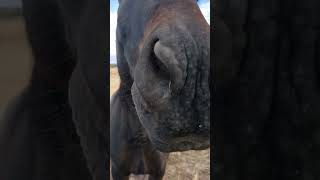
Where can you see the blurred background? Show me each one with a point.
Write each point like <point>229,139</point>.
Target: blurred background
<point>15,54</point>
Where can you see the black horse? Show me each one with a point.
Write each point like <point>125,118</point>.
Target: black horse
<point>162,104</point>
<point>58,127</point>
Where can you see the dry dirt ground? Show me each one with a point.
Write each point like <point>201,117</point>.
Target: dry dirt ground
<point>190,165</point>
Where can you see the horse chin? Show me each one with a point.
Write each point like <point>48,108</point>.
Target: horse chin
<point>180,146</point>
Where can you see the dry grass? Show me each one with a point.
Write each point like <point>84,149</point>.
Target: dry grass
<point>190,165</point>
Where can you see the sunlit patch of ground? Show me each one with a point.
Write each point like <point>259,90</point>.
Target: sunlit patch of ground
<point>190,165</point>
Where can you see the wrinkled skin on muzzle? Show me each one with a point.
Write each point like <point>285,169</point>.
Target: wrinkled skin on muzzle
<point>163,52</point>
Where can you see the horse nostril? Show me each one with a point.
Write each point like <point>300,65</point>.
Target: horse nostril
<point>158,63</point>
<point>167,57</point>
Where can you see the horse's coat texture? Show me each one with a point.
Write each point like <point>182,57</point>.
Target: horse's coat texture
<point>267,100</point>
<point>162,105</point>
<point>58,127</point>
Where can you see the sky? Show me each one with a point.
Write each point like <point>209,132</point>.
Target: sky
<point>203,4</point>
